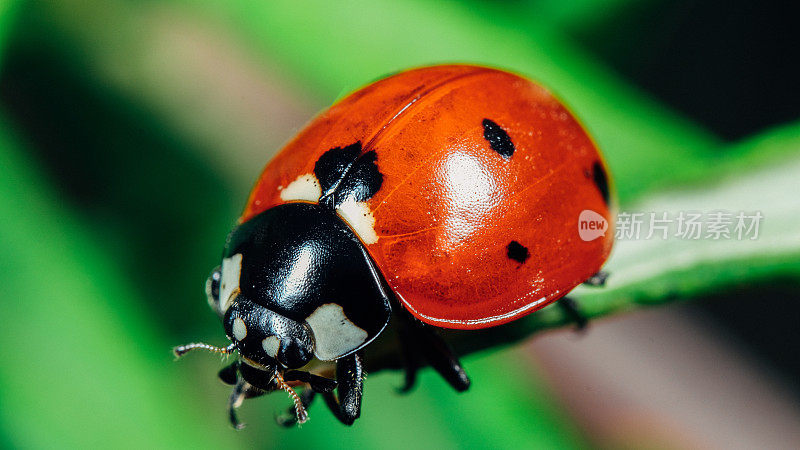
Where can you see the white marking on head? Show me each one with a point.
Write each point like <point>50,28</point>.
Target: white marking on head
<point>271,344</point>
<point>305,187</point>
<point>239,329</point>
<point>334,333</point>
<point>231,271</point>
<point>360,219</point>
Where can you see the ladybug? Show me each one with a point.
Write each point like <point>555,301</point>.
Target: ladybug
<point>440,197</point>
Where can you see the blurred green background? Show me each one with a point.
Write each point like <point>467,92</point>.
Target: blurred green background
<point>131,131</point>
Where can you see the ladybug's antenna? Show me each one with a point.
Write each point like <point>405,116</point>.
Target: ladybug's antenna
<point>183,349</point>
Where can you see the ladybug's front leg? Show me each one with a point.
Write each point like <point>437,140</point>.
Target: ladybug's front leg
<point>235,401</point>
<point>350,381</point>
<point>316,382</point>
<point>241,389</point>
<point>229,374</point>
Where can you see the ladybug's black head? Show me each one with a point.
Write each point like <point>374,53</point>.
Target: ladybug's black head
<point>264,337</point>
<point>261,336</point>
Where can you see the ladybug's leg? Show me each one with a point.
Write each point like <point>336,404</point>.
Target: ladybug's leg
<point>289,418</point>
<point>235,401</point>
<point>410,359</point>
<point>572,310</point>
<point>229,374</point>
<point>257,378</point>
<point>350,380</point>
<point>441,357</point>
<point>423,340</point>
<point>317,383</point>
<point>260,382</point>
<point>242,389</point>
<point>598,279</point>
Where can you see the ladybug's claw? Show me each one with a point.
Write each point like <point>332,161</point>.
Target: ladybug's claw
<point>410,380</point>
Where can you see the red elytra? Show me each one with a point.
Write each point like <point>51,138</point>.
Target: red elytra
<point>467,237</point>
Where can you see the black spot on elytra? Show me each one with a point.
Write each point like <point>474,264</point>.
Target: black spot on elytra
<point>333,165</point>
<point>362,180</point>
<point>346,174</point>
<point>498,138</point>
<point>600,180</point>
<point>518,252</point>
